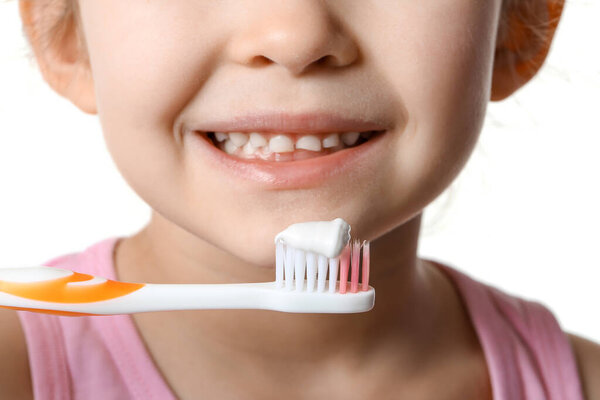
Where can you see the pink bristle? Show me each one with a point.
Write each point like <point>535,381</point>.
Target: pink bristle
<point>344,264</point>
<point>355,265</point>
<point>365,265</point>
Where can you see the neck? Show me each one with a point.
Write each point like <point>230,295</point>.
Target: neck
<point>169,254</point>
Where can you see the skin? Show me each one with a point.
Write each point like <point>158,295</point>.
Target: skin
<point>162,63</point>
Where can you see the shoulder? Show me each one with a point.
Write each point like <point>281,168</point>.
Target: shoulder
<point>15,377</point>
<point>587,354</point>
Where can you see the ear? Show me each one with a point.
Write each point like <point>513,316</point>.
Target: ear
<point>54,32</point>
<point>524,37</point>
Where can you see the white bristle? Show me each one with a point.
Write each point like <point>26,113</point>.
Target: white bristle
<point>311,271</point>
<point>299,268</point>
<point>333,271</point>
<point>294,266</point>
<point>279,256</point>
<point>289,267</point>
<point>322,273</point>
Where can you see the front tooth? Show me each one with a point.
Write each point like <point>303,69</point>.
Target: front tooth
<point>309,142</point>
<point>230,147</point>
<point>238,138</point>
<point>349,138</point>
<point>331,140</point>
<point>257,139</point>
<point>248,148</point>
<point>281,144</point>
<point>220,136</point>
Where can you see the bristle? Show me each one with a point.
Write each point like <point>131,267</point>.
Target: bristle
<point>322,274</point>
<point>334,264</point>
<point>311,271</point>
<point>293,266</point>
<point>355,265</point>
<point>279,255</point>
<point>289,267</point>
<point>344,265</point>
<point>299,268</point>
<point>366,264</point>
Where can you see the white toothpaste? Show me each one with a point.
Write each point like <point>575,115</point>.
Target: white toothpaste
<point>322,237</point>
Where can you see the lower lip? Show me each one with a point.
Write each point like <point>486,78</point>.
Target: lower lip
<point>293,174</point>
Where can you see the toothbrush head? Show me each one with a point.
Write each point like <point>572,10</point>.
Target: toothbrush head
<point>305,274</point>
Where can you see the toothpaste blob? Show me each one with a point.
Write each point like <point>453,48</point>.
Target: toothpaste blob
<point>322,237</point>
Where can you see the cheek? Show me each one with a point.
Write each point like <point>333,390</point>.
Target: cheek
<point>136,64</point>
<point>440,69</point>
<point>147,64</point>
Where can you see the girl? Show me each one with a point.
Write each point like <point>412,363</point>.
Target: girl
<point>304,76</point>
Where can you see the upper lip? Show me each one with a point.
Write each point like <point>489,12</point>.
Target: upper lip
<point>305,123</point>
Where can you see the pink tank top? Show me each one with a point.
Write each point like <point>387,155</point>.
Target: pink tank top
<point>104,358</point>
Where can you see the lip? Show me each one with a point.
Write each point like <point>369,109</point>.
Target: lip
<point>306,123</point>
<point>349,164</point>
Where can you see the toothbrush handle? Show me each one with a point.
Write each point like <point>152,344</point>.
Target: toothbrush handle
<point>63,292</point>
<point>58,291</point>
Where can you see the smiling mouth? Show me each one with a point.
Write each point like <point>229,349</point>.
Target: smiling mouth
<point>285,146</point>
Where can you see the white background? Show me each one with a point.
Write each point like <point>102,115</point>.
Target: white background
<point>523,214</point>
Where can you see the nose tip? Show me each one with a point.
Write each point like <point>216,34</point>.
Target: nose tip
<point>294,37</point>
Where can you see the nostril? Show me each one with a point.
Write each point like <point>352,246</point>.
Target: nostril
<point>260,61</point>
<point>323,60</point>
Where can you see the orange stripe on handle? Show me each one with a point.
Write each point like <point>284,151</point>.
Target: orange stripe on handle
<point>57,290</point>
<point>54,312</point>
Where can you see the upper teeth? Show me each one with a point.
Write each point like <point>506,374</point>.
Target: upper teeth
<point>331,140</point>
<point>256,139</point>
<point>349,138</point>
<point>239,139</point>
<point>310,142</point>
<point>281,143</point>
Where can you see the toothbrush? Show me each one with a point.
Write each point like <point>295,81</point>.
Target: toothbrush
<point>63,292</point>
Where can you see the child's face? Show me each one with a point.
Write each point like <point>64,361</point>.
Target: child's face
<point>421,67</point>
